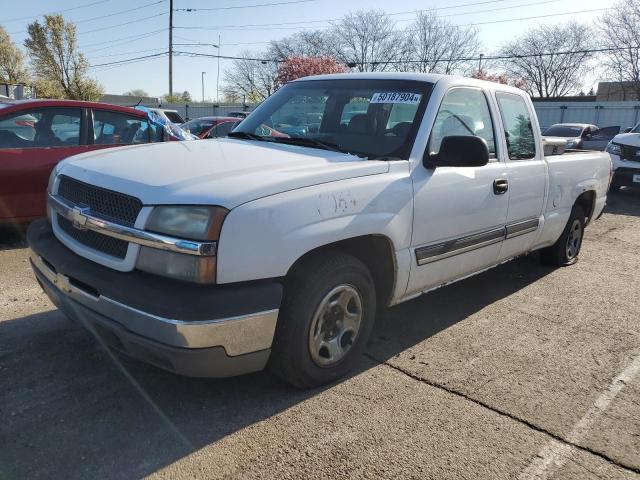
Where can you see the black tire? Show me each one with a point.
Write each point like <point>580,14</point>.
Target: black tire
<point>561,254</point>
<point>308,286</point>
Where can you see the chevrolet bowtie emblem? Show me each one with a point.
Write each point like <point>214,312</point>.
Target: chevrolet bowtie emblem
<point>79,217</point>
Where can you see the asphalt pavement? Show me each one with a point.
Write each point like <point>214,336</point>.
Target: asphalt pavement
<point>521,372</point>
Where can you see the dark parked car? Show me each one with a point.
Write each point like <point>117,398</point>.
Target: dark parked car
<point>582,136</point>
<point>37,134</point>
<point>238,114</point>
<point>210,127</point>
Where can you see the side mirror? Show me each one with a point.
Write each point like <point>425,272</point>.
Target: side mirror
<point>627,130</point>
<point>459,151</point>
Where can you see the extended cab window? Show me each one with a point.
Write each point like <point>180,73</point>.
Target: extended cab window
<point>111,128</point>
<point>463,112</point>
<point>518,131</point>
<point>47,127</point>
<point>374,119</point>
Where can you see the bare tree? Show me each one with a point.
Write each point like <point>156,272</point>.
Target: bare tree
<point>620,31</point>
<point>315,43</point>
<point>540,58</point>
<point>433,45</point>
<point>251,78</point>
<point>12,69</point>
<point>366,39</point>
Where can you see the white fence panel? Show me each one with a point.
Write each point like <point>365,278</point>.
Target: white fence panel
<point>603,114</point>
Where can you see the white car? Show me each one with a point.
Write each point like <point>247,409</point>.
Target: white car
<point>222,257</point>
<point>625,154</point>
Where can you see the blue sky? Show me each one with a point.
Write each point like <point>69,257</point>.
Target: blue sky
<point>103,39</point>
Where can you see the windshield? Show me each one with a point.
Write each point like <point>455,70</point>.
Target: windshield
<point>375,119</point>
<point>197,126</point>
<point>563,131</point>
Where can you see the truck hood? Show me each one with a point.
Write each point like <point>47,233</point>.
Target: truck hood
<point>225,172</point>
<point>632,139</point>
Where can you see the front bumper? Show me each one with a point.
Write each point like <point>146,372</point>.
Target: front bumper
<point>623,177</point>
<point>194,330</point>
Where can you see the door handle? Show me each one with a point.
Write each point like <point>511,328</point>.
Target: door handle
<point>500,186</point>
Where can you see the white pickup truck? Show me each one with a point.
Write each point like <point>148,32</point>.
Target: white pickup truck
<point>221,257</point>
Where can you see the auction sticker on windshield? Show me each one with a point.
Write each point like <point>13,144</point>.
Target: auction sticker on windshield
<point>396,97</point>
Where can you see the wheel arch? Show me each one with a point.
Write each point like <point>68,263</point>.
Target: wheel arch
<point>587,200</point>
<point>375,251</point>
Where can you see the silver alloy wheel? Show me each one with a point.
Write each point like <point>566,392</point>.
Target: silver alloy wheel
<point>335,325</point>
<point>574,239</point>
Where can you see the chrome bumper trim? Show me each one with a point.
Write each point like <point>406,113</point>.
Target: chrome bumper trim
<point>82,219</point>
<point>238,335</point>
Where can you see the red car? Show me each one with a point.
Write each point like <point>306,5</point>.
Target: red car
<point>36,134</point>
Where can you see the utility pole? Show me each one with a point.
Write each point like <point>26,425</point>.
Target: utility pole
<point>203,86</point>
<point>170,47</point>
<point>218,74</point>
<point>480,63</point>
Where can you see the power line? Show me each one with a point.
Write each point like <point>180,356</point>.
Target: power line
<point>128,53</point>
<point>227,57</point>
<point>121,12</point>
<point>272,4</point>
<point>129,60</point>
<point>55,11</point>
<point>392,14</point>
<point>113,41</point>
<point>405,61</point>
<point>123,24</point>
<point>282,26</point>
<point>224,27</point>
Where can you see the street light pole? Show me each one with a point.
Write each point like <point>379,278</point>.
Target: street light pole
<point>203,86</point>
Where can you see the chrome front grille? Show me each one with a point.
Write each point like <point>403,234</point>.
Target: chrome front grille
<point>102,203</point>
<point>114,206</point>
<point>109,245</point>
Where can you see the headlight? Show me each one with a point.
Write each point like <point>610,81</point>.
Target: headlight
<point>189,223</point>
<point>614,149</point>
<point>572,143</point>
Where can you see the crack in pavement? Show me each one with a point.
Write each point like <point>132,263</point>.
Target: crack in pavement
<point>569,444</point>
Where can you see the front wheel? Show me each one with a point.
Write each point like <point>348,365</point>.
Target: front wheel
<point>566,250</point>
<point>326,317</point>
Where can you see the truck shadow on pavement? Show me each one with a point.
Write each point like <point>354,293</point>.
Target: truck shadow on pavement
<point>13,236</point>
<point>70,409</point>
<point>624,202</point>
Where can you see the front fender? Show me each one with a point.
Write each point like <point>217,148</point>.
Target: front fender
<point>263,238</point>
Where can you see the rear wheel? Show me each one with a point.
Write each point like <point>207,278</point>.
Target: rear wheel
<point>566,250</point>
<point>326,317</point>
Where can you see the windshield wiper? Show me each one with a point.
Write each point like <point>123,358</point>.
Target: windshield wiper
<point>246,135</point>
<point>314,143</point>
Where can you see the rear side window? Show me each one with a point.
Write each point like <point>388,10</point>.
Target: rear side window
<point>463,112</point>
<point>174,117</point>
<point>113,128</point>
<point>41,128</point>
<point>221,130</point>
<point>518,131</point>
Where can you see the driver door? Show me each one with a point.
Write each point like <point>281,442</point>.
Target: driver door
<point>598,139</point>
<point>459,212</point>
